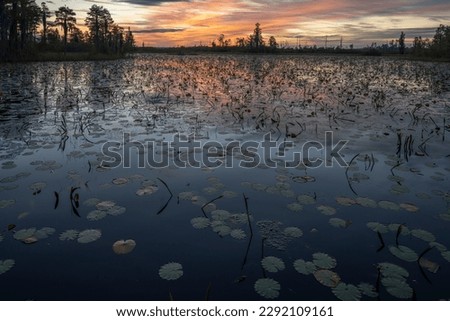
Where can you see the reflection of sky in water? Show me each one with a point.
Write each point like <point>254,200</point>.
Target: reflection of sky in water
<point>133,97</point>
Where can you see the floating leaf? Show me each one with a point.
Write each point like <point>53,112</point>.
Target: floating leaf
<point>327,278</point>
<point>220,215</point>
<point>186,196</point>
<point>392,270</point>
<point>96,215</point>
<point>272,264</point>
<point>171,271</point>
<point>440,247</point>
<point>409,207</point>
<point>368,290</point>
<point>123,247</point>
<point>326,210</point>
<point>116,210</point>
<point>324,261</point>
<point>388,205</point>
<point>37,187</point>
<point>6,265</point>
<point>44,232</point>
<point>399,189</point>
<point>306,199</point>
<point>229,194</point>
<point>24,233</point>
<point>220,228</point>
<point>366,202</point>
<point>69,235</point>
<point>446,255</point>
<point>88,236</point>
<point>120,181</point>
<point>105,205</point>
<point>423,235</point>
<point>397,287</point>
<point>293,231</point>
<point>345,201</point>
<point>7,203</point>
<point>30,240</point>
<point>200,222</point>
<point>395,226</point>
<point>338,222</point>
<point>267,288</point>
<point>304,267</point>
<point>377,227</point>
<point>295,207</point>
<point>431,266</point>
<point>238,234</point>
<point>147,190</point>
<point>404,253</point>
<point>347,292</point>
<point>91,202</point>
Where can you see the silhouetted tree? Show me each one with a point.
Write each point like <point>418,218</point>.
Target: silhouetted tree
<point>273,43</point>
<point>45,13</point>
<point>258,40</point>
<point>99,22</point>
<point>441,42</point>
<point>65,18</point>
<point>401,43</point>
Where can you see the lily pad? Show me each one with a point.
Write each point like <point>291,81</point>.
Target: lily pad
<point>338,222</point>
<point>304,267</point>
<point>238,234</point>
<point>397,287</point>
<point>295,207</point>
<point>24,233</point>
<point>147,190</point>
<point>96,215</point>
<point>431,266</point>
<point>171,271</point>
<point>326,210</point>
<point>347,292</point>
<point>306,199</point>
<point>200,222</point>
<point>6,265</point>
<point>368,290</point>
<point>423,235</point>
<point>88,236</point>
<point>409,207</point>
<point>377,227</point>
<point>123,246</point>
<point>69,235</point>
<point>404,253</point>
<point>324,261</point>
<point>392,270</point>
<point>7,203</point>
<point>388,205</point>
<point>293,231</point>
<point>272,264</point>
<point>366,202</point>
<point>345,201</point>
<point>267,288</point>
<point>327,278</point>
<point>105,205</point>
<point>120,181</point>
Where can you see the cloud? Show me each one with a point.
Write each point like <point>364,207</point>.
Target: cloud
<point>150,2</point>
<point>160,30</point>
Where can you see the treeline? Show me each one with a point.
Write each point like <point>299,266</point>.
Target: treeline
<point>27,29</point>
<point>438,47</point>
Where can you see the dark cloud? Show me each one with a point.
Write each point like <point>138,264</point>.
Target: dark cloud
<point>160,30</point>
<point>149,2</point>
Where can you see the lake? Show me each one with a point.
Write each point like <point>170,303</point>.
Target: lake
<point>228,177</point>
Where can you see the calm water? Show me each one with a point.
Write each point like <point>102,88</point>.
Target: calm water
<point>322,233</point>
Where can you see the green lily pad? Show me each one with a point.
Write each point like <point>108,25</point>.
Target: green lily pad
<point>326,210</point>
<point>366,202</point>
<point>171,271</point>
<point>304,267</point>
<point>347,292</point>
<point>306,199</point>
<point>327,278</point>
<point>324,261</point>
<point>377,227</point>
<point>295,207</point>
<point>404,253</point>
<point>69,235</point>
<point>267,288</point>
<point>423,235</point>
<point>6,265</point>
<point>368,290</point>
<point>293,232</point>
<point>200,222</point>
<point>238,234</point>
<point>338,222</point>
<point>7,203</point>
<point>88,236</point>
<point>272,264</point>
<point>388,205</point>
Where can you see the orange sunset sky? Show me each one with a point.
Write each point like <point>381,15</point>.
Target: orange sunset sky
<point>195,22</point>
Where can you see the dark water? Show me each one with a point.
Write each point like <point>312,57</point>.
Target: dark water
<point>55,118</point>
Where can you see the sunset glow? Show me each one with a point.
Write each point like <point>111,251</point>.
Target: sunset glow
<point>307,22</point>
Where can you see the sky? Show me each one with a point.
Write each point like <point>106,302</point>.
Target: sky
<point>306,22</point>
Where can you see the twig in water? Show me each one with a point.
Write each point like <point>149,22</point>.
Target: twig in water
<point>206,204</point>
